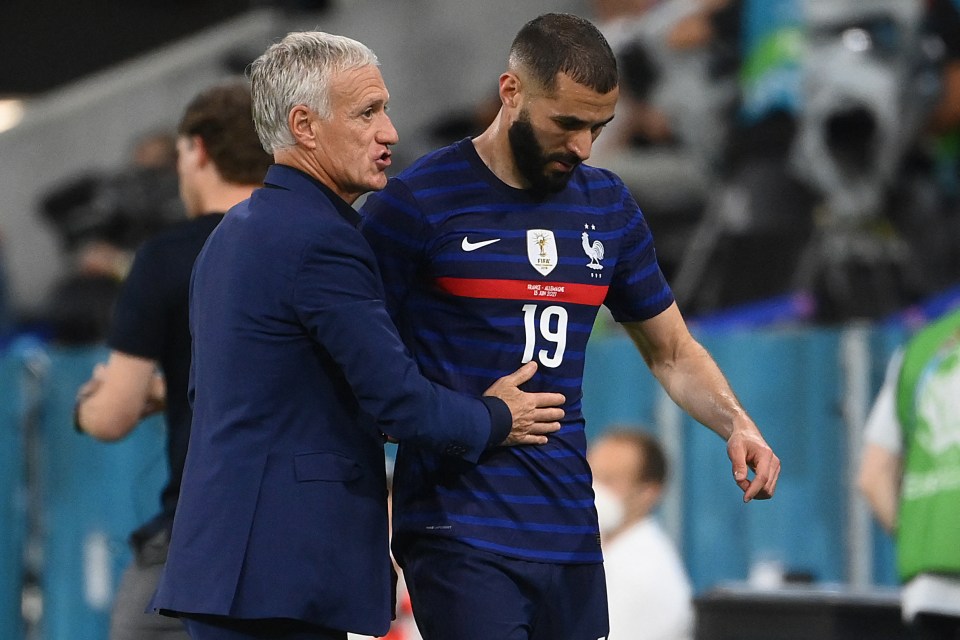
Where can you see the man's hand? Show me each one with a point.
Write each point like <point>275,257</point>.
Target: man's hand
<point>87,389</point>
<point>92,385</point>
<point>746,448</point>
<point>156,399</point>
<point>118,395</point>
<point>534,414</point>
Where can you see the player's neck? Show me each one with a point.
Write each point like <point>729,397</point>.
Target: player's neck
<point>224,196</point>
<point>493,147</point>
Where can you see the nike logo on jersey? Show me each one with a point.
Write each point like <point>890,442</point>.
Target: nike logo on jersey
<point>466,245</point>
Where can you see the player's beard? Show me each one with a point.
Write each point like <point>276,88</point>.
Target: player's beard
<point>531,160</point>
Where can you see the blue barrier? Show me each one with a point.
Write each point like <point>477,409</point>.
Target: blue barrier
<point>12,497</point>
<point>791,383</point>
<point>94,494</point>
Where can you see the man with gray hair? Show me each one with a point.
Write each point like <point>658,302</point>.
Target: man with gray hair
<point>298,375</point>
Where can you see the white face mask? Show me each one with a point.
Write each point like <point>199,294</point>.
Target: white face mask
<point>610,510</point>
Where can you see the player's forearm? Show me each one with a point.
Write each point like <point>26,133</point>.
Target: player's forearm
<point>694,381</point>
<point>879,482</point>
<point>688,373</point>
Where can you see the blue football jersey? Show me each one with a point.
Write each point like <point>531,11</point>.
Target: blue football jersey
<point>480,278</point>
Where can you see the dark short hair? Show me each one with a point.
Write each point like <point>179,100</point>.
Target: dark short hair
<point>653,462</point>
<point>564,43</point>
<point>222,117</point>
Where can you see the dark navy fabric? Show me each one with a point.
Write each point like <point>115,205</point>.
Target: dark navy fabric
<point>521,600</point>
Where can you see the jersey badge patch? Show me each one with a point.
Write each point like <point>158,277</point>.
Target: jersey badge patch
<point>542,250</point>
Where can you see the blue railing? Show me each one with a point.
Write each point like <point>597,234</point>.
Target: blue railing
<point>71,501</point>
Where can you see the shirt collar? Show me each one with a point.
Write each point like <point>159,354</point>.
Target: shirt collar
<point>286,177</point>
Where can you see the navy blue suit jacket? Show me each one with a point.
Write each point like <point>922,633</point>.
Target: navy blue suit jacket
<point>297,369</point>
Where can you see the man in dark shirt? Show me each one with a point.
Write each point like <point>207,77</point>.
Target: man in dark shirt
<point>220,162</point>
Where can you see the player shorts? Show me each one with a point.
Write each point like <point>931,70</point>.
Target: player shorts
<point>462,592</point>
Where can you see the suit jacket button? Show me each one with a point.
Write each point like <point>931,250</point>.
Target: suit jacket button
<point>455,449</point>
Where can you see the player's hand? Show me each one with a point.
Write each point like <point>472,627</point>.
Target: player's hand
<point>534,414</point>
<point>747,449</point>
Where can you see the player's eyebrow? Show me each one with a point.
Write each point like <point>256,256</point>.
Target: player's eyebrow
<point>573,122</point>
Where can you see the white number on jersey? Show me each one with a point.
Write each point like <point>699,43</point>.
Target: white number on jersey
<point>553,328</point>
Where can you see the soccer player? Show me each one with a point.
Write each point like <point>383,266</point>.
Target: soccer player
<point>499,250</point>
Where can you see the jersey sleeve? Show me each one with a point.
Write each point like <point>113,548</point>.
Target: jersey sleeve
<point>638,290</point>
<point>139,319</point>
<point>395,229</point>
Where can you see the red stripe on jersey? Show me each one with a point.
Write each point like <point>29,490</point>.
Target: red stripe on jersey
<point>588,294</point>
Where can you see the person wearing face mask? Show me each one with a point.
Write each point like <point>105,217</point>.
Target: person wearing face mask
<point>648,590</point>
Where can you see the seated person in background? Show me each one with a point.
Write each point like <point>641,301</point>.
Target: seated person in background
<point>648,591</point>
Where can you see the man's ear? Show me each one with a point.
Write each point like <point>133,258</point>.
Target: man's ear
<point>510,87</point>
<point>199,148</point>
<point>300,121</point>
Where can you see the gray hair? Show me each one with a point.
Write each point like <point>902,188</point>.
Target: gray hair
<point>298,70</point>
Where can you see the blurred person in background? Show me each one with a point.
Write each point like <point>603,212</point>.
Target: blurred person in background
<point>648,590</point>
<point>500,250</point>
<point>756,221</point>
<point>943,17</point>
<point>101,220</point>
<point>910,474</point>
<point>929,217</point>
<point>297,373</point>
<point>219,162</point>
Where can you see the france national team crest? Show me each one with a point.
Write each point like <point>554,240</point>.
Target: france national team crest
<point>542,250</point>
<point>594,250</point>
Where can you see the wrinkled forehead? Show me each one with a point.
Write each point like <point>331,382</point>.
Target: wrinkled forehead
<point>357,86</point>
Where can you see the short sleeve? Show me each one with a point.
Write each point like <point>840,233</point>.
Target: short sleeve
<point>139,318</point>
<point>639,290</point>
<point>883,428</point>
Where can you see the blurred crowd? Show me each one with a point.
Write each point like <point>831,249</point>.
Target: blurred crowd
<point>776,147</point>
<point>779,146</point>
<point>100,218</point>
